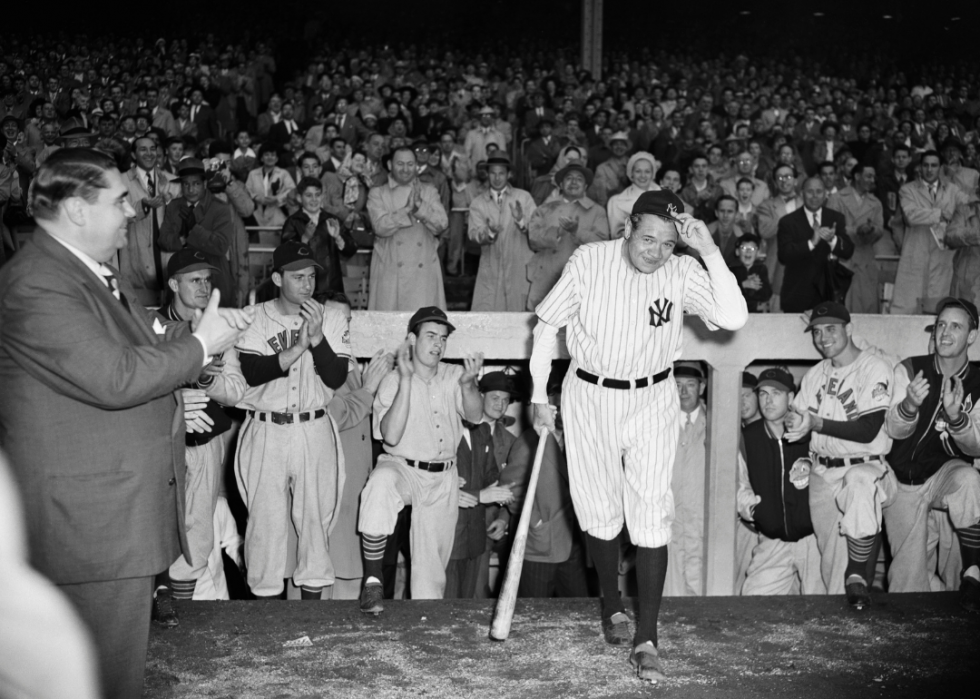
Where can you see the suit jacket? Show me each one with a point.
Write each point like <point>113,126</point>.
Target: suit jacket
<point>324,248</point>
<point>137,263</point>
<point>210,229</point>
<point>90,420</point>
<point>542,156</point>
<point>806,267</point>
<point>279,134</point>
<point>353,130</point>
<point>553,525</point>
<point>475,463</point>
<point>206,122</point>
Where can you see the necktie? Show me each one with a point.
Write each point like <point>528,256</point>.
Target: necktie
<point>932,190</point>
<point>816,219</point>
<point>689,421</point>
<point>114,288</point>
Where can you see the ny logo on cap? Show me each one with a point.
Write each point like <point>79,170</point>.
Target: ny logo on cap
<point>672,210</point>
<point>660,312</point>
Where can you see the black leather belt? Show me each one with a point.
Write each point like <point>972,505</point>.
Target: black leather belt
<point>832,462</point>
<point>431,466</point>
<point>620,383</point>
<point>287,418</point>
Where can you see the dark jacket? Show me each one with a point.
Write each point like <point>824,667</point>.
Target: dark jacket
<point>806,269</point>
<point>753,297</point>
<point>477,465</point>
<point>324,248</point>
<point>918,457</point>
<point>210,228</point>
<point>784,511</point>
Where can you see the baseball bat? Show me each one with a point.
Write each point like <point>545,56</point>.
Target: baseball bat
<point>503,614</point>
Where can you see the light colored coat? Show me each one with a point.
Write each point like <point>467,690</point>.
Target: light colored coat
<point>271,215</point>
<point>863,296</point>
<point>136,260</point>
<point>405,271</point>
<point>501,282</point>
<point>925,270</point>
<point>685,552</point>
<point>769,212</point>
<point>553,246</point>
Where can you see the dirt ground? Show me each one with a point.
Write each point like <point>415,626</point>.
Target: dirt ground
<point>800,647</point>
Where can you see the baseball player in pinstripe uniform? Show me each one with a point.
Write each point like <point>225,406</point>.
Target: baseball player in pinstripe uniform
<point>293,358</point>
<point>622,303</point>
<point>841,405</point>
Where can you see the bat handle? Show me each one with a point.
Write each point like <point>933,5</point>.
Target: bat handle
<point>504,611</point>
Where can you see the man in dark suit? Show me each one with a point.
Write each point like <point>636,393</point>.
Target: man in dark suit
<point>535,115</point>
<point>543,151</point>
<point>88,413</point>
<point>202,116</point>
<point>808,239</point>
<point>349,127</point>
<point>280,132</point>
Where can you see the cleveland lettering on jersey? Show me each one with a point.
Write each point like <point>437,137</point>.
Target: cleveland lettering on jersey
<point>283,340</point>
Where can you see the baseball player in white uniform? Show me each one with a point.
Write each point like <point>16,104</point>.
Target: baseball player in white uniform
<point>293,358</point>
<point>622,304</point>
<point>841,405</point>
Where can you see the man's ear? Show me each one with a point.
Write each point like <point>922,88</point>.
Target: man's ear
<point>628,230</point>
<point>76,210</point>
<point>277,279</point>
<point>172,283</point>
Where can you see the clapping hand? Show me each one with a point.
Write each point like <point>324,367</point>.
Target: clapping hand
<point>379,367</point>
<point>471,368</point>
<point>333,228</point>
<point>916,393</point>
<point>952,397</point>
<point>517,211</point>
<point>753,282</point>
<point>312,313</point>
<point>568,223</point>
<point>404,361</point>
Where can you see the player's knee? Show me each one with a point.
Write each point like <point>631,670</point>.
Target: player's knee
<point>964,477</point>
<point>861,476</point>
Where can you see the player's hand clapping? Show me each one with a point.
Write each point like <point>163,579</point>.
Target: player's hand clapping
<point>471,368</point>
<point>404,361</point>
<point>916,393</point>
<point>695,233</point>
<point>952,397</point>
<point>312,312</point>
<point>379,367</point>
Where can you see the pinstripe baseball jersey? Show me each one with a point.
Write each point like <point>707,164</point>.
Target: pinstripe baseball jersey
<point>272,332</point>
<point>846,393</point>
<point>623,324</point>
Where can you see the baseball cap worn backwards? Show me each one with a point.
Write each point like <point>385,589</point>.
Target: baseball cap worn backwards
<point>827,313</point>
<point>292,256</point>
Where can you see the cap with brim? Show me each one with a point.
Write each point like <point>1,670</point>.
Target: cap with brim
<point>662,203</point>
<point>187,260</point>
<point>486,110</point>
<point>498,160</point>
<point>77,132</point>
<point>190,166</point>
<point>691,369</point>
<point>10,118</point>
<point>968,306</point>
<point>620,136</point>
<point>777,378</point>
<point>292,256</point>
<point>497,381</point>
<point>827,313</point>
<point>429,314</point>
<point>575,167</point>
<point>749,380</point>
<point>371,116</point>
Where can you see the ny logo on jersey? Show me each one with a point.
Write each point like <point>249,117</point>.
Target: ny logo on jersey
<point>660,312</point>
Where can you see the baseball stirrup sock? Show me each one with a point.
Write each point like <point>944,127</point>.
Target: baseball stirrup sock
<point>651,572</point>
<point>858,553</point>
<point>310,593</point>
<point>970,545</point>
<point>605,554</point>
<point>183,589</point>
<point>373,548</point>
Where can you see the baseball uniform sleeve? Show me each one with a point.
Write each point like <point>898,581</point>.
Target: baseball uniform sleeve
<point>875,391</point>
<point>806,399</point>
<point>383,400</point>
<point>714,294</point>
<point>564,299</point>
<point>545,341</point>
<point>336,331</point>
<point>898,423</point>
<point>966,432</point>
<point>745,497</point>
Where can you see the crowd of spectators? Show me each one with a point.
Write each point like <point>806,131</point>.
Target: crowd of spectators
<point>420,153</point>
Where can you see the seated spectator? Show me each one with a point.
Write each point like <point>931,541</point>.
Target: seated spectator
<point>701,192</point>
<point>243,159</point>
<point>542,153</point>
<point>746,215</point>
<point>751,274</point>
<point>322,232</point>
<point>611,175</point>
<point>745,166</point>
<point>544,188</point>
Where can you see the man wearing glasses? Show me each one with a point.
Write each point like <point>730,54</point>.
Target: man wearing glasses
<point>745,167</point>
<point>786,201</point>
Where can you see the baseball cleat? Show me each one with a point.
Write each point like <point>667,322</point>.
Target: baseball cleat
<point>616,629</point>
<point>857,595</point>
<point>372,599</point>
<point>646,661</point>
<point>163,612</point>
<point>970,594</point>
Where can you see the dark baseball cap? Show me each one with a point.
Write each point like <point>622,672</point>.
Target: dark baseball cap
<point>968,306</point>
<point>188,260</point>
<point>777,378</point>
<point>497,381</point>
<point>826,313</point>
<point>749,380</point>
<point>692,369</point>
<point>429,314</point>
<point>292,256</point>
<point>662,203</point>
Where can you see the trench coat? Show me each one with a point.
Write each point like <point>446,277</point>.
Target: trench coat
<point>501,282</point>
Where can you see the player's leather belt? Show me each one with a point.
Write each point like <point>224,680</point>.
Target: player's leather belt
<point>832,462</point>
<point>622,384</point>
<point>287,418</point>
<point>431,466</point>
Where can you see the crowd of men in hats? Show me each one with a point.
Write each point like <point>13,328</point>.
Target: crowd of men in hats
<point>802,181</point>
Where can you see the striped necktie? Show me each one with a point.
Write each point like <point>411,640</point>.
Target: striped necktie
<point>114,288</point>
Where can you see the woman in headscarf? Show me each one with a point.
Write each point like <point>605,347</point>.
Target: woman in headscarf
<point>641,170</point>
<point>544,188</point>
